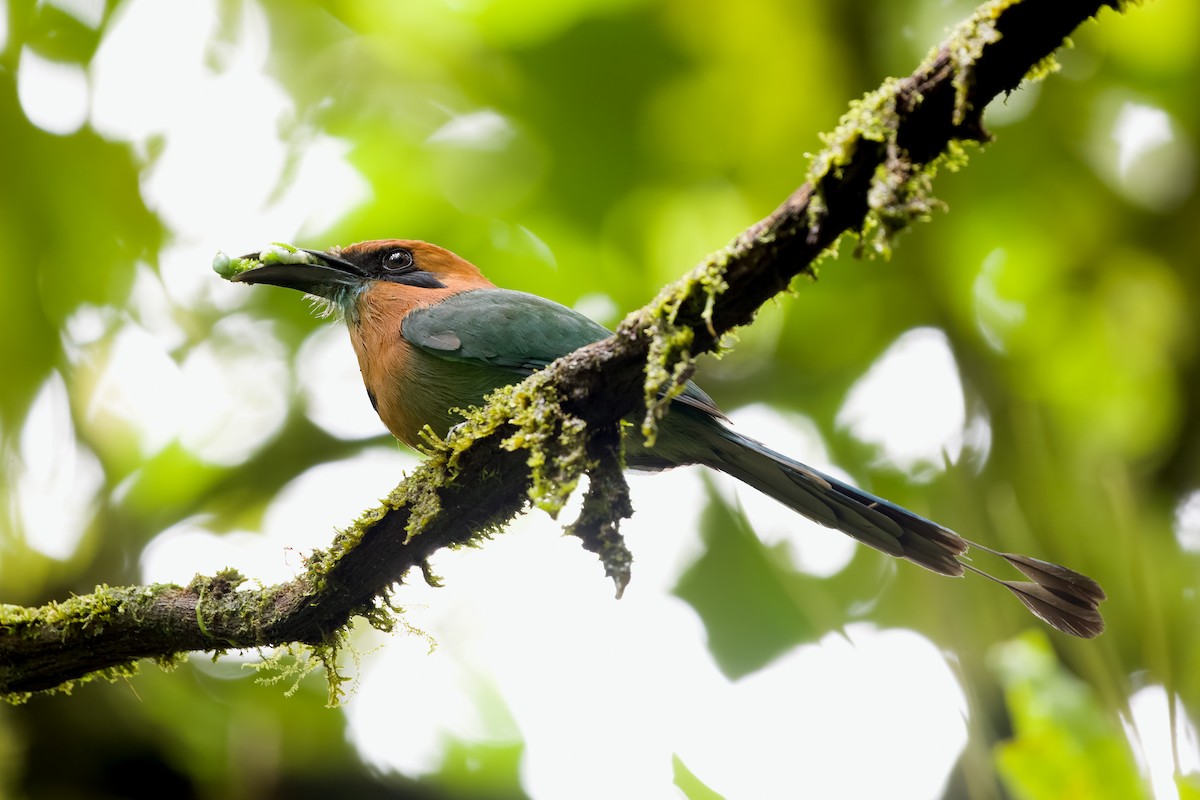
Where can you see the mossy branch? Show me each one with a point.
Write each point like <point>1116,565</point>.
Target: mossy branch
<point>872,177</point>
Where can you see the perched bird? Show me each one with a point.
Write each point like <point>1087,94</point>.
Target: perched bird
<point>432,334</point>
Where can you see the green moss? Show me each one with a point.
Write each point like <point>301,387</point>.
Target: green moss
<point>871,118</point>
<point>669,361</point>
<point>431,578</point>
<point>554,439</point>
<point>900,193</point>
<point>965,46</point>
<point>668,342</point>
<point>78,613</point>
<point>218,599</point>
<point>291,664</point>
<point>120,672</point>
<point>67,620</point>
<point>901,190</point>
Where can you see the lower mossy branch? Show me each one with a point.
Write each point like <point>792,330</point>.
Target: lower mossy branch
<point>872,176</point>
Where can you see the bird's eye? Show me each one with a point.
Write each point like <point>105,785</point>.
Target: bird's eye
<point>398,260</point>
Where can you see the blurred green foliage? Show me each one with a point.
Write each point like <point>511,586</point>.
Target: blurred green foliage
<point>1065,744</point>
<point>595,149</point>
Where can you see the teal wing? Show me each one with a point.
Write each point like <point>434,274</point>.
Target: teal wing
<point>514,331</point>
<point>501,328</point>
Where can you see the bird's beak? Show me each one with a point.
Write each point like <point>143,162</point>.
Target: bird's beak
<point>331,275</point>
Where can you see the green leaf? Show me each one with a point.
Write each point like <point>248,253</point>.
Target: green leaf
<point>1065,745</point>
<point>692,787</point>
<point>745,593</point>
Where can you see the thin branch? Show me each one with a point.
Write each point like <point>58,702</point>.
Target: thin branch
<point>872,177</point>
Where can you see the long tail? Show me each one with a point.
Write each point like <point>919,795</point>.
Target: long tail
<point>1063,598</point>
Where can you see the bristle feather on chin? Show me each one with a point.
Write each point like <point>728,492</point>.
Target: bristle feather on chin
<point>324,308</point>
<point>341,307</point>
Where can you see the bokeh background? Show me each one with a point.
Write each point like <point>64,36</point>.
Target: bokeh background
<point>1024,369</point>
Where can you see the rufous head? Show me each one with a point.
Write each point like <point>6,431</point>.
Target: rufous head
<point>343,275</point>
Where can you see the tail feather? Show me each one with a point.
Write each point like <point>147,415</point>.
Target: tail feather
<point>918,539</point>
<point>824,499</point>
<point>1065,599</point>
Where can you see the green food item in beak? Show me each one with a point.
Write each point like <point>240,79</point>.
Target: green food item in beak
<point>229,267</point>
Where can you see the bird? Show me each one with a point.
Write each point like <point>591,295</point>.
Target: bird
<point>433,336</point>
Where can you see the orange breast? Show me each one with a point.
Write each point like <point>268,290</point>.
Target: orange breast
<point>410,388</point>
